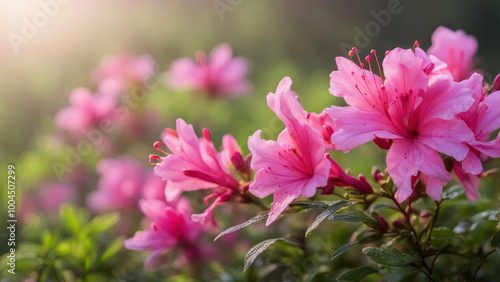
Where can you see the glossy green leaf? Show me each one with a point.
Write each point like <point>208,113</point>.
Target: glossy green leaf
<point>495,240</point>
<point>343,249</point>
<point>333,208</point>
<point>244,224</point>
<point>453,192</point>
<point>443,233</point>
<point>357,274</point>
<point>390,257</point>
<point>256,250</point>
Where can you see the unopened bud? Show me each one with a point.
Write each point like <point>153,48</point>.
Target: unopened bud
<point>496,83</point>
<point>425,214</point>
<point>376,174</point>
<point>383,144</point>
<point>383,223</point>
<point>398,224</point>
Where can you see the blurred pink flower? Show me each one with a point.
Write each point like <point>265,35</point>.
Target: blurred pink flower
<point>52,195</point>
<point>456,49</point>
<point>153,187</point>
<point>295,164</point>
<point>219,75</point>
<point>414,109</point>
<point>483,118</point>
<point>193,165</point>
<point>118,72</point>
<point>123,182</point>
<point>86,111</point>
<point>171,227</point>
<point>47,199</point>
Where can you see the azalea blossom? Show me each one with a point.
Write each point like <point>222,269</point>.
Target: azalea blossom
<point>122,183</point>
<point>118,72</point>
<point>295,164</point>
<point>85,112</point>
<point>413,109</point>
<point>195,164</point>
<point>171,227</point>
<point>482,118</point>
<point>218,75</point>
<point>456,49</point>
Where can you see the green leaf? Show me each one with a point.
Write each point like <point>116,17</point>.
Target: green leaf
<point>312,205</point>
<point>443,233</point>
<point>101,223</point>
<point>48,240</point>
<point>111,249</point>
<point>354,217</point>
<point>486,215</point>
<point>453,192</point>
<point>357,274</point>
<point>382,206</point>
<point>257,250</point>
<point>343,249</point>
<point>244,224</point>
<point>495,240</point>
<point>333,208</point>
<point>390,257</point>
<point>70,219</point>
<point>392,242</point>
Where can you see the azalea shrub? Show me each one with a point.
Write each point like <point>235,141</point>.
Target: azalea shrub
<point>272,206</point>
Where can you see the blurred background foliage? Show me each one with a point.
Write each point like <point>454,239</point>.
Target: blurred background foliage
<point>280,38</point>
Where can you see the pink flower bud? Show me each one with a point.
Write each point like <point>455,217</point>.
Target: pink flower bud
<point>398,224</point>
<point>425,214</point>
<point>383,223</point>
<point>496,83</point>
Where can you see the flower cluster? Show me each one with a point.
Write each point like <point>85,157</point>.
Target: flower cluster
<point>113,78</point>
<point>430,110</point>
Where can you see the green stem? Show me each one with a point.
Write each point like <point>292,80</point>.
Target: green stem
<point>483,260</point>
<point>433,222</point>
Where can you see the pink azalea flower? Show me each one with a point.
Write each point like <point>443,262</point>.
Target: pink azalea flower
<point>85,112</point>
<point>483,118</point>
<point>456,49</point>
<point>171,227</point>
<point>195,164</point>
<point>118,72</point>
<point>414,109</point>
<point>123,182</point>
<point>294,165</point>
<point>219,75</point>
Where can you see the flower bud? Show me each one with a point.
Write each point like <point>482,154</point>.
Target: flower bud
<point>398,224</point>
<point>425,214</point>
<point>496,83</point>
<point>383,223</point>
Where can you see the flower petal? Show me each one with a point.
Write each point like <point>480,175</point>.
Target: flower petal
<point>357,127</point>
<point>359,88</point>
<point>281,200</point>
<point>446,136</point>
